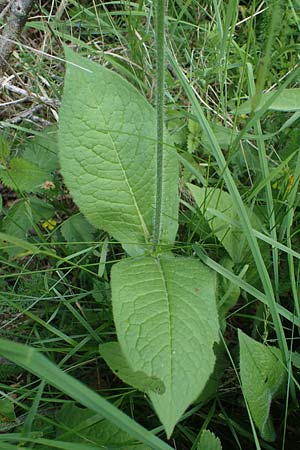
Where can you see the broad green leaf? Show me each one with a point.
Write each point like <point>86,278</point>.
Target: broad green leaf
<point>114,358</point>
<point>107,152</point>
<point>167,324</point>
<point>262,375</point>
<point>86,426</point>
<point>209,441</point>
<point>42,150</point>
<point>213,200</point>
<point>22,175</point>
<point>77,231</point>
<point>287,100</point>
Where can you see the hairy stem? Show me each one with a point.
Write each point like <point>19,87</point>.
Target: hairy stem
<point>160,91</point>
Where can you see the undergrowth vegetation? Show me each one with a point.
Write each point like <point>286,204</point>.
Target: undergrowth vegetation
<point>149,227</point>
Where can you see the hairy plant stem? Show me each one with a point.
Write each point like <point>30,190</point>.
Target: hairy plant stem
<point>160,92</point>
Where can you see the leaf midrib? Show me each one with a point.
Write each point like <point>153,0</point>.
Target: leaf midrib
<point>165,285</point>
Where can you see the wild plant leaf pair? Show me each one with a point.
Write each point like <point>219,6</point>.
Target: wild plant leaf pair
<point>164,306</point>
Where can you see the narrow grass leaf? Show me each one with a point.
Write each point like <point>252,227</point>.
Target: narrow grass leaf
<point>36,363</point>
<point>87,427</point>
<point>24,245</point>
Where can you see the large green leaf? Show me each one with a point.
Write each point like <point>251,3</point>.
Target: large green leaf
<point>287,100</point>
<point>107,151</point>
<point>114,358</point>
<point>209,441</point>
<point>262,375</point>
<point>167,323</point>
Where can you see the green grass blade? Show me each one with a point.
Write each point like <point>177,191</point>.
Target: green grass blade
<point>264,166</point>
<point>36,363</point>
<point>224,170</point>
<point>238,281</point>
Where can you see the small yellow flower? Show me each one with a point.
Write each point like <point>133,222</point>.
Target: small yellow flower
<point>49,224</point>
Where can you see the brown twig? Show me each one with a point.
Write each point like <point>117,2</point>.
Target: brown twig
<point>5,84</point>
<point>16,19</point>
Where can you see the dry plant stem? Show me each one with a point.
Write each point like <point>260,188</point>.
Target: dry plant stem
<point>28,96</point>
<point>30,115</point>
<point>16,19</point>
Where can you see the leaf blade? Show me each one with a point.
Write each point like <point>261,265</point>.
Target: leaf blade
<point>209,441</point>
<point>167,323</point>
<point>114,358</point>
<point>113,181</point>
<point>262,375</point>
<point>288,100</point>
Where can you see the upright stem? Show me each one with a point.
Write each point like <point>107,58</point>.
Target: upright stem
<point>160,92</point>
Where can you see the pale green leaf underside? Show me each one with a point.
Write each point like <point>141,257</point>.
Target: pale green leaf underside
<point>112,354</point>
<point>107,139</point>
<point>262,375</point>
<point>287,100</point>
<point>167,323</point>
<point>209,441</point>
